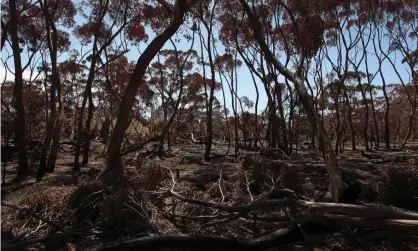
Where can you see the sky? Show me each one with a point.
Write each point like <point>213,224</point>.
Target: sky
<point>245,82</point>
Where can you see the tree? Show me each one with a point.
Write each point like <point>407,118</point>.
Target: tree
<point>54,12</point>
<point>102,35</point>
<point>20,120</point>
<point>136,79</point>
<point>336,184</point>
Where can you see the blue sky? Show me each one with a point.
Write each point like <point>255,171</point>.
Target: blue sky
<point>245,82</point>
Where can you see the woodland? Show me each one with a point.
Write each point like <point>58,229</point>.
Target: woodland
<point>209,125</point>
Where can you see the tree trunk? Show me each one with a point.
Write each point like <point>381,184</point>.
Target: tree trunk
<point>410,126</point>
<point>350,119</point>
<point>387,128</point>
<point>387,107</point>
<point>297,132</point>
<point>256,111</point>
<point>316,110</point>
<point>337,115</point>
<point>376,126</point>
<point>136,79</point>
<point>336,184</point>
<point>234,111</point>
<point>226,116</point>
<point>52,158</point>
<point>282,121</point>
<point>366,114</point>
<point>88,134</point>
<point>20,125</point>
<point>274,125</point>
<point>49,134</point>
<point>55,85</point>
<point>209,126</point>
<point>4,30</point>
<point>291,111</point>
<point>81,134</point>
<point>105,130</point>
<point>164,104</point>
<point>52,45</point>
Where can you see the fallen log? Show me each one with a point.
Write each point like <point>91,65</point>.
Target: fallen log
<point>176,241</point>
<point>368,211</point>
<point>139,146</point>
<point>394,224</point>
<point>341,221</point>
<point>275,239</point>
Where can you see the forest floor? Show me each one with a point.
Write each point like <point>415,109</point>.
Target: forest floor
<point>33,209</point>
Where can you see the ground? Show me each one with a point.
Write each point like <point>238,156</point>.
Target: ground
<point>386,178</point>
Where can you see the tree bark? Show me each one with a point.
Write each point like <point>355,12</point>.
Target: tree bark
<point>336,183</point>
<point>20,121</point>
